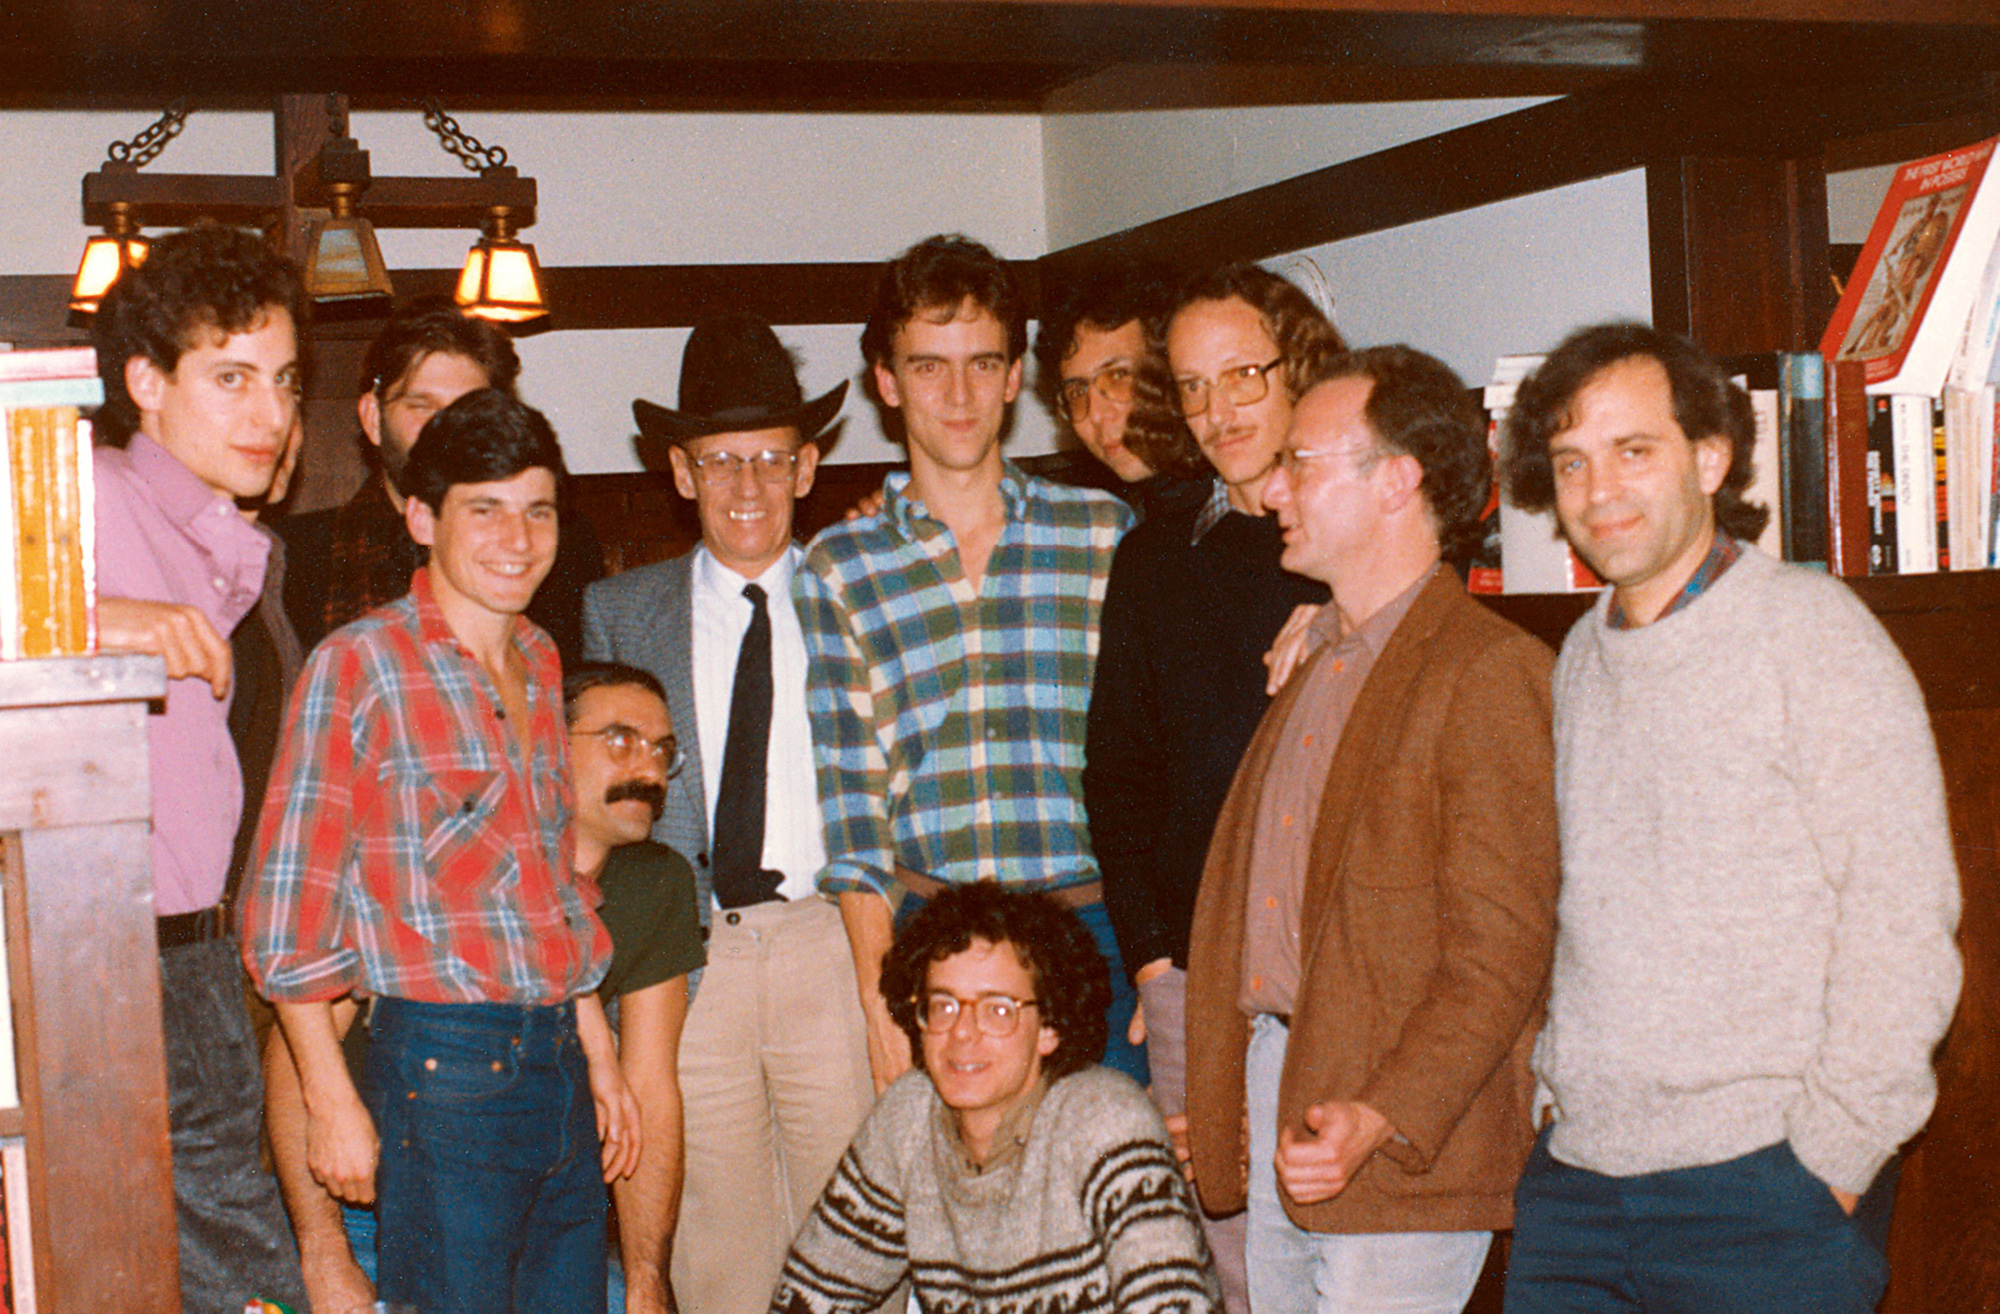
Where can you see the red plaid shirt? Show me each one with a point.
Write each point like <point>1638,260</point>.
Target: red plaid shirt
<point>402,849</point>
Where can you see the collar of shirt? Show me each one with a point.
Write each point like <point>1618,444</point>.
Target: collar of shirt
<point>716,585</point>
<point>1212,511</point>
<point>1722,554</point>
<point>903,510</point>
<point>1010,1138</point>
<point>1373,633</point>
<point>235,547</point>
<point>534,646</point>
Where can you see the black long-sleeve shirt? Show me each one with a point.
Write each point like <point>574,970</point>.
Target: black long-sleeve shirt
<point>1178,692</point>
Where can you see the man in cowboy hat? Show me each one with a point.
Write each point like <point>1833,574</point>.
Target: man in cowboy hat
<point>774,1060</point>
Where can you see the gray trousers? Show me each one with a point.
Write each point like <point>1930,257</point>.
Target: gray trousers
<point>235,1241</point>
<point>1164,1000</point>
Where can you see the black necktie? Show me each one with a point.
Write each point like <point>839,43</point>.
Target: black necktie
<point>739,798</point>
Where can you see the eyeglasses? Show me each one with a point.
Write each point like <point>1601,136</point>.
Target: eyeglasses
<point>770,465</point>
<point>995,1015</point>
<point>1243,385</point>
<point>1113,383</point>
<point>1291,458</point>
<point>625,744</point>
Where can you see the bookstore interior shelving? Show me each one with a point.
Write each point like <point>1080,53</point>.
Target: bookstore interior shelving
<point>1734,109</point>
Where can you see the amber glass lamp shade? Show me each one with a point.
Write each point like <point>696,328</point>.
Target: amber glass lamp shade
<point>106,257</point>
<point>344,262</point>
<point>502,281</point>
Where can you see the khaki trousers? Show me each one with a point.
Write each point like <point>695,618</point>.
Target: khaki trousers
<point>775,1082</point>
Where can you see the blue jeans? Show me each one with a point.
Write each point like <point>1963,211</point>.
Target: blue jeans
<point>1119,1052</point>
<point>488,1190</point>
<point>361,1240</point>
<point>1293,1271</point>
<point>1746,1236</point>
<point>235,1241</point>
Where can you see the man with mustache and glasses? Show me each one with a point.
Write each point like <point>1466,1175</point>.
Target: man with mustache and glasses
<point>622,753</point>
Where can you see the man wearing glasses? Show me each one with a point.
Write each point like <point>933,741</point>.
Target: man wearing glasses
<point>622,754</point>
<point>1090,355</point>
<point>773,1061</point>
<point>1196,597</point>
<point>1010,1172</point>
<point>1372,937</point>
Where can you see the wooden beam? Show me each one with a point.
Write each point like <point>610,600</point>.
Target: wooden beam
<point>1573,140</point>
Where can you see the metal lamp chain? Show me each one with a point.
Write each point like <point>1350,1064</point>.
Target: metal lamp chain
<point>146,147</point>
<point>471,152</point>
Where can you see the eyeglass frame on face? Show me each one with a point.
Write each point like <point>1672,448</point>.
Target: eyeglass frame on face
<point>982,1012</point>
<point>1366,458</point>
<point>1075,393</point>
<point>622,741</point>
<point>772,465</point>
<point>1244,385</point>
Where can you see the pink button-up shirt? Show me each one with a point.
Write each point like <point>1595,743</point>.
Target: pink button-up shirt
<point>164,535</point>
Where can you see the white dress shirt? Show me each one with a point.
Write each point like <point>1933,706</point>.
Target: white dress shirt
<point>793,842</point>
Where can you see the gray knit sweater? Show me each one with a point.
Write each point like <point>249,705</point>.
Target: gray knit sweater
<point>1754,935</point>
<point>1090,1214</point>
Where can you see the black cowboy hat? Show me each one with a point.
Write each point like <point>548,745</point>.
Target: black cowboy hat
<point>735,375</point>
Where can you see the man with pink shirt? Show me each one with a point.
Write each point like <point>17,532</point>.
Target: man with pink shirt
<point>198,352</point>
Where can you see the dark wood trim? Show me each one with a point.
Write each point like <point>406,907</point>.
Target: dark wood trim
<point>1581,137</point>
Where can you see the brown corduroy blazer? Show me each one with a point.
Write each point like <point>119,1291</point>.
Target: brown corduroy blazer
<point>1426,932</point>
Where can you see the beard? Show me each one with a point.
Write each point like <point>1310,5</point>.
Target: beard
<point>650,792</point>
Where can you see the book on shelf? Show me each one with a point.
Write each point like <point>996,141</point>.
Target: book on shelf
<point>48,567</point>
<point>1906,309</point>
<point>1850,492</point>
<point>1880,474</point>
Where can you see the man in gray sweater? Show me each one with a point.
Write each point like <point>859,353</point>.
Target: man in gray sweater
<point>1754,954</point>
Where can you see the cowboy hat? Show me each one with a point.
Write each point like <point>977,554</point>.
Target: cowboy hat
<point>735,376</point>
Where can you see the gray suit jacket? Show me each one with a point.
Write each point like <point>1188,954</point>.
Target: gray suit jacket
<point>644,618</point>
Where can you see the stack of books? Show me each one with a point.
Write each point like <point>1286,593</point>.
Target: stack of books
<point>47,546</point>
<point>1911,407</point>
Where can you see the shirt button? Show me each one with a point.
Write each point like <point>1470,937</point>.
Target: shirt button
<point>1308,741</point>
<point>1286,821</point>
<point>1338,667</point>
<point>734,918</point>
<point>221,584</point>
<point>1256,983</point>
<point>468,805</point>
<point>1270,901</point>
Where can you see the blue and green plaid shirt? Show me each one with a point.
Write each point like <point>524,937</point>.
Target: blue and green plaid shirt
<point>948,725</point>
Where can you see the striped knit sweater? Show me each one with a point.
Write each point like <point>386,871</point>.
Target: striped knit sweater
<point>1089,1214</point>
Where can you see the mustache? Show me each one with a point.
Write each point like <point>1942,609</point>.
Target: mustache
<point>650,792</point>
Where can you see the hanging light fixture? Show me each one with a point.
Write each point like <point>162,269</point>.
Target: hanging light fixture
<point>107,258</point>
<point>502,280</point>
<point>343,260</point>
<point>120,248</point>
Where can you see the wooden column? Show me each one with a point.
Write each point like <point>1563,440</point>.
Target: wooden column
<point>1739,251</point>
<point>84,971</point>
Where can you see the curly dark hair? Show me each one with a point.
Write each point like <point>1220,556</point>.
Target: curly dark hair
<point>431,325</point>
<point>1072,983</point>
<point>941,272</point>
<point>1106,300</point>
<point>1419,407</point>
<point>483,436</point>
<point>204,279</point>
<point>1706,405</point>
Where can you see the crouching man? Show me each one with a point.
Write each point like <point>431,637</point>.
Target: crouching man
<point>1011,1169</point>
<point>415,846</point>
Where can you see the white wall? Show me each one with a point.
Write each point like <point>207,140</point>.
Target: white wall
<point>1109,171</point>
<point>625,188</point>
<point>1505,279</point>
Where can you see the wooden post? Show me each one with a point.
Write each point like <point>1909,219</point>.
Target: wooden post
<point>85,977</point>
<point>1739,251</point>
